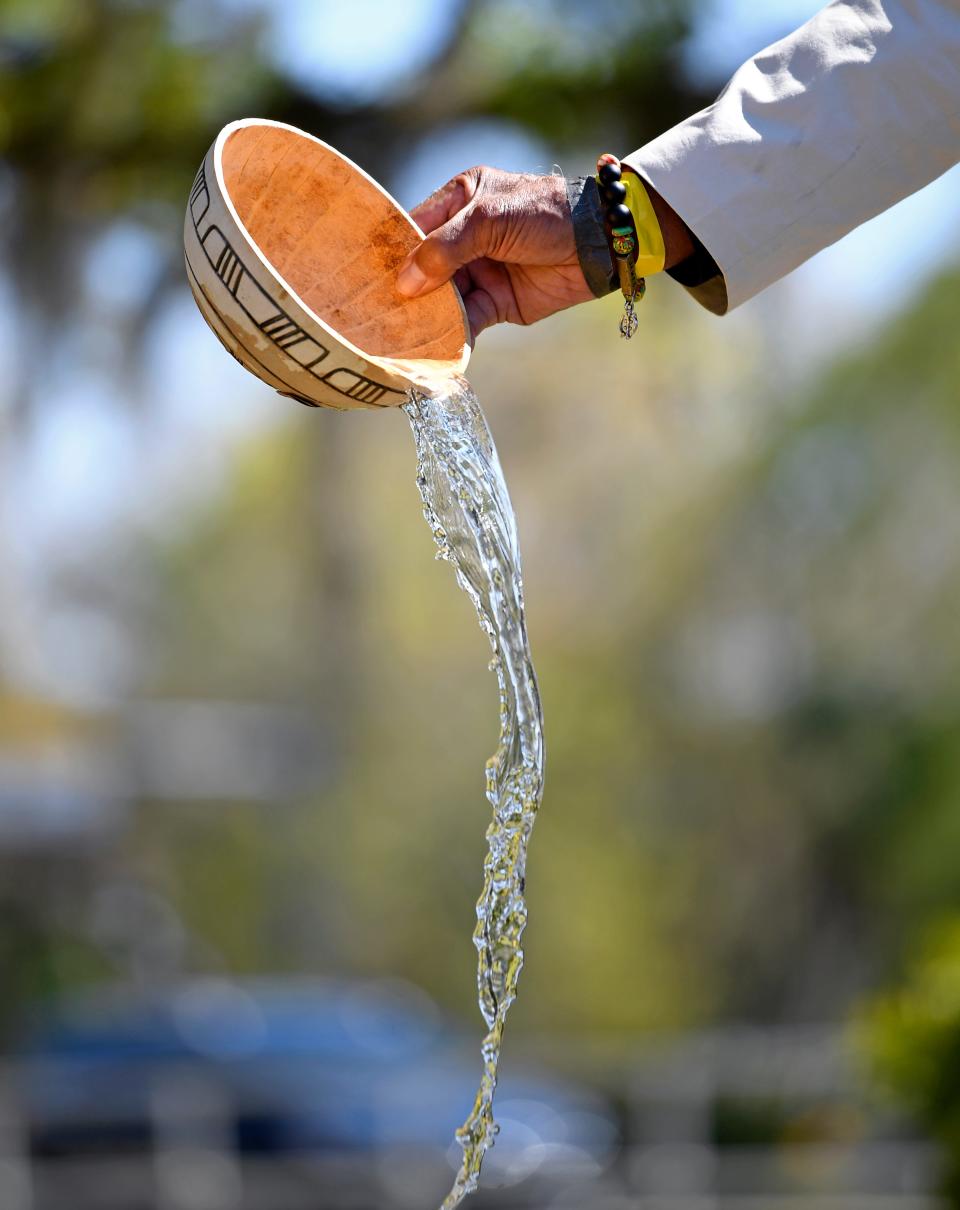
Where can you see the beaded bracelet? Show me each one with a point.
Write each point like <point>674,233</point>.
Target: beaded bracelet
<point>633,234</point>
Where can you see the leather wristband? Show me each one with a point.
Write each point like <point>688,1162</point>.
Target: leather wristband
<point>593,250</point>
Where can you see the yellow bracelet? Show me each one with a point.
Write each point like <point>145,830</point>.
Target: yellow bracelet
<point>650,250</point>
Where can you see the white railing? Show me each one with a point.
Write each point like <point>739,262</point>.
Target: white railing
<point>669,1159</point>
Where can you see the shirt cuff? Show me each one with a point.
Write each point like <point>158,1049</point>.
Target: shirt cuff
<point>702,279</point>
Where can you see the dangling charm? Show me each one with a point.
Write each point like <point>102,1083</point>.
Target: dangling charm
<point>628,320</point>
<point>621,233</point>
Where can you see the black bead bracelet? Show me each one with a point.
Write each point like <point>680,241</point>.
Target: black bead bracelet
<point>621,231</point>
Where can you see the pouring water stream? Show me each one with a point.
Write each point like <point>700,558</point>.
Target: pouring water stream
<point>468,509</point>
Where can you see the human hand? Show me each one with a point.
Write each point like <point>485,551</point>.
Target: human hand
<point>506,239</point>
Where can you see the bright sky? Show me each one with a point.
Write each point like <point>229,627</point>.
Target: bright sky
<point>352,50</point>
<point>732,30</point>
<point>322,40</point>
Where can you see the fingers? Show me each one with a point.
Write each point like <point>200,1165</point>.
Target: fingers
<point>438,258</point>
<point>453,240</point>
<point>475,318</point>
<point>441,205</point>
<point>481,313</point>
<point>489,298</point>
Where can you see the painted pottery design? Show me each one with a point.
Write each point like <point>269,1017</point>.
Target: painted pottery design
<point>292,253</point>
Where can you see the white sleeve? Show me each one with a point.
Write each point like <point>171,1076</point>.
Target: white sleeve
<point>813,136</point>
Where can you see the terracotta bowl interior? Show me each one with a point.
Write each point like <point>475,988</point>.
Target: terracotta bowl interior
<point>338,242</point>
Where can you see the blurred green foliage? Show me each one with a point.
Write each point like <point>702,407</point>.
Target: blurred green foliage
<point>742,596</point>
<point>911,1039</point>
<point>105,108</point>
<point>746,653</point>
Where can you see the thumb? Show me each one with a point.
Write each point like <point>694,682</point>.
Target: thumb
<point>433,262</point>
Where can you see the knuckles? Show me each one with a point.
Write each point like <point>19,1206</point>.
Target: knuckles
<point>471,180</point>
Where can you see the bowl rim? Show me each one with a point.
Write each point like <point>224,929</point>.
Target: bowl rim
<point>415,371</point>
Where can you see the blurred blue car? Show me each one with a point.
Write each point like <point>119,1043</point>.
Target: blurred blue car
<point>276,1066</point>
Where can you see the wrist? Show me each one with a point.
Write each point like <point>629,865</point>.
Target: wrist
<point>591,242</point>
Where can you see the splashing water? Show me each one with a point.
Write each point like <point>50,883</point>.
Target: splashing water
<point>468,509</point>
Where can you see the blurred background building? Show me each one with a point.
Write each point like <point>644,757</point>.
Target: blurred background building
<point>244,713</point>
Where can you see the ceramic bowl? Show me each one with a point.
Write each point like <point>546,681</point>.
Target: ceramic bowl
<point>292,254</point>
